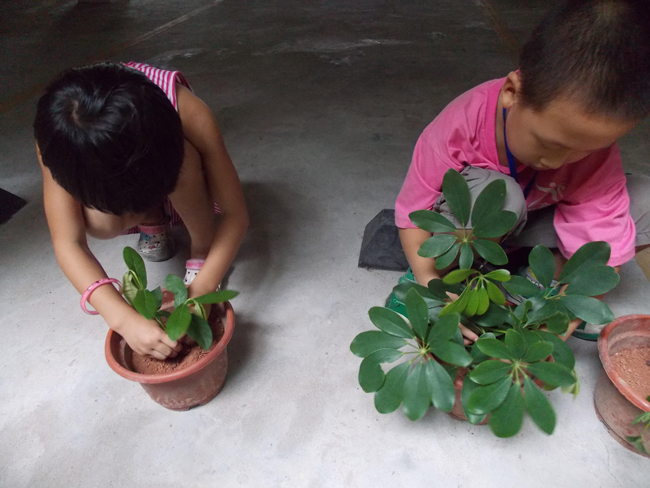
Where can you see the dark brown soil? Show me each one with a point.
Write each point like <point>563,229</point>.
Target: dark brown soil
<point>632,366</point>
<point>191,354</point>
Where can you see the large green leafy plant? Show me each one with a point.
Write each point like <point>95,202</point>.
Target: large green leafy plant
<point>189,314</point>
<point>519,351</point>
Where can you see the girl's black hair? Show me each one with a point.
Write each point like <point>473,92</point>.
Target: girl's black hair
<point>110,137</point>
<point>594,51</point>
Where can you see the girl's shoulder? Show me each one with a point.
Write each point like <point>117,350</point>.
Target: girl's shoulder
<point>165,79</point>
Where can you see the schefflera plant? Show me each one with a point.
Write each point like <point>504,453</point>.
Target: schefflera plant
<point>189,314</point>
<point>518,351</point>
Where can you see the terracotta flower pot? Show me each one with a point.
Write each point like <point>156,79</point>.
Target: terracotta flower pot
<point>186,388</point>
<point>457,411</point>
<point>617,403</point>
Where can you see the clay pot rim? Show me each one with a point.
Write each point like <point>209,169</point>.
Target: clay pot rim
<point>603,351</point>
<point>174,375</point>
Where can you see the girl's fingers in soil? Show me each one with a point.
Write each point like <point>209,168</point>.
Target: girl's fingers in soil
<point>157,355</point>
<point>171,344</point>
<point>166,351</point>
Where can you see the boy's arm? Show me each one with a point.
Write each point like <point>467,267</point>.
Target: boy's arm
<point>66,222</point>
<point>201,130</point>
<point>424,269</point>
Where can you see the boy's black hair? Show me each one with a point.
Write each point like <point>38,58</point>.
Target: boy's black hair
<point>110,137</point>
<point>595,51</point>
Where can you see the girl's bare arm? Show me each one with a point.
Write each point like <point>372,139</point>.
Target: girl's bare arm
<point>203,135</point>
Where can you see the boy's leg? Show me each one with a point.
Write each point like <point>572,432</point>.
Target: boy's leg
<point>477,179</point>
<point>638,188</point>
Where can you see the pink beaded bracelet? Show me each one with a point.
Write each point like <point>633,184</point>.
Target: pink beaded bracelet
<point>92,288</point>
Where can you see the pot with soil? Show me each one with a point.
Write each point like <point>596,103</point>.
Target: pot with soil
<point>198,373</point>
<point>622,393</point>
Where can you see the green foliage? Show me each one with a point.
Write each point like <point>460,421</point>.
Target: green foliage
<point>519,352</point>
<point>181,320</point>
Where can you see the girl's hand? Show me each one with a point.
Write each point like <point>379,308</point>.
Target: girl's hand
<point>147,338</point>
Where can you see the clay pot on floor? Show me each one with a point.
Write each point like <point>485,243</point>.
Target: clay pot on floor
<point>617,403</point>
<point>186,388</point>
<point>457,411</point>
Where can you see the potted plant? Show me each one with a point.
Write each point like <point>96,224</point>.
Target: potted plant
<point>499,377</point>
<point>621,395</point>
<point>195,376</point>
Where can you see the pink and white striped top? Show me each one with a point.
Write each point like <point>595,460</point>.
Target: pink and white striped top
<point>166,80</point>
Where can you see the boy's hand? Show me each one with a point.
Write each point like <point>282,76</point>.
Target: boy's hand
<point>147,338</point>
<point>468,335</point>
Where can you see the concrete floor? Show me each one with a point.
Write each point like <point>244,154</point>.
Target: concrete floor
<point>320,104</point>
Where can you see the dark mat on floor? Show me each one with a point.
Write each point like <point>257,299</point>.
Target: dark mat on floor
<point>9,205</point>
<point>381,247</point>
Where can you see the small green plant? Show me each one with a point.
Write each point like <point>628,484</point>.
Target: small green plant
<point>189,315</point>
<point>519,351</point>
<point>637,440</point>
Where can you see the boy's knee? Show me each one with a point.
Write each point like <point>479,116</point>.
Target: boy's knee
<point>637,187</point>
<point>478,179</point>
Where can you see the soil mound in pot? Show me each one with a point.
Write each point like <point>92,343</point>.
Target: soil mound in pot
<point>633,366</point>
<point>148,365</point>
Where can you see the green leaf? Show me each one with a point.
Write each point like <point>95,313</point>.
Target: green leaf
<point>506,420</point>
<point>542,264</point>
<point>489,372</point>
<point>488,398</point>
<point>596,280</point>
<point>436,245</point>
<point>494,348</point>
<point>217,296</point>
<point>178,322</point>
<point>489,200</point>
<point>145,303</point>
<point>562,353</point>
<point>521,311</point>
<point>444,329</point>
<point>200,331</point>
<point>370,341</point>
<point>591,254</point>
<point>431,221</point>
<point>557,323</point>
<point>157,293</point>
<point>538,352</point>
<point>483,301</point>
<point>495,294</point>
<point>417,396</point>
<point>515,343</point>
<point>447,258</point>
<point>163,313</point>
<point>496,316</point>
<point>451,352</point>
<point>458,276</point>
<point>135,263</point>
<point>552,373</point>
<point>371,376</point>
<point>498,274</point>
<point>521,286</point>
<point>129,288</point>
<point>441,386</point>
<point>465,392</point>
<point>438,289</point>
<point>538,407</point>
<point>490,251</point>
<point>456,192</point>
<point>472,302</point>
<point>175,285</point>
<point>417,312</point>
<point>495,224</point>
<point>389,397</point>
<point>466,256</point>
<point>589,309</point>
<point>390,322</point>
<point>401,289</point>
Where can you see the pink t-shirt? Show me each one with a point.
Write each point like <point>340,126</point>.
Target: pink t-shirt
<point>590,196</point>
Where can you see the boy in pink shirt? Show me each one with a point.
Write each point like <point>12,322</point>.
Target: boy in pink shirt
<point>549,130</point>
